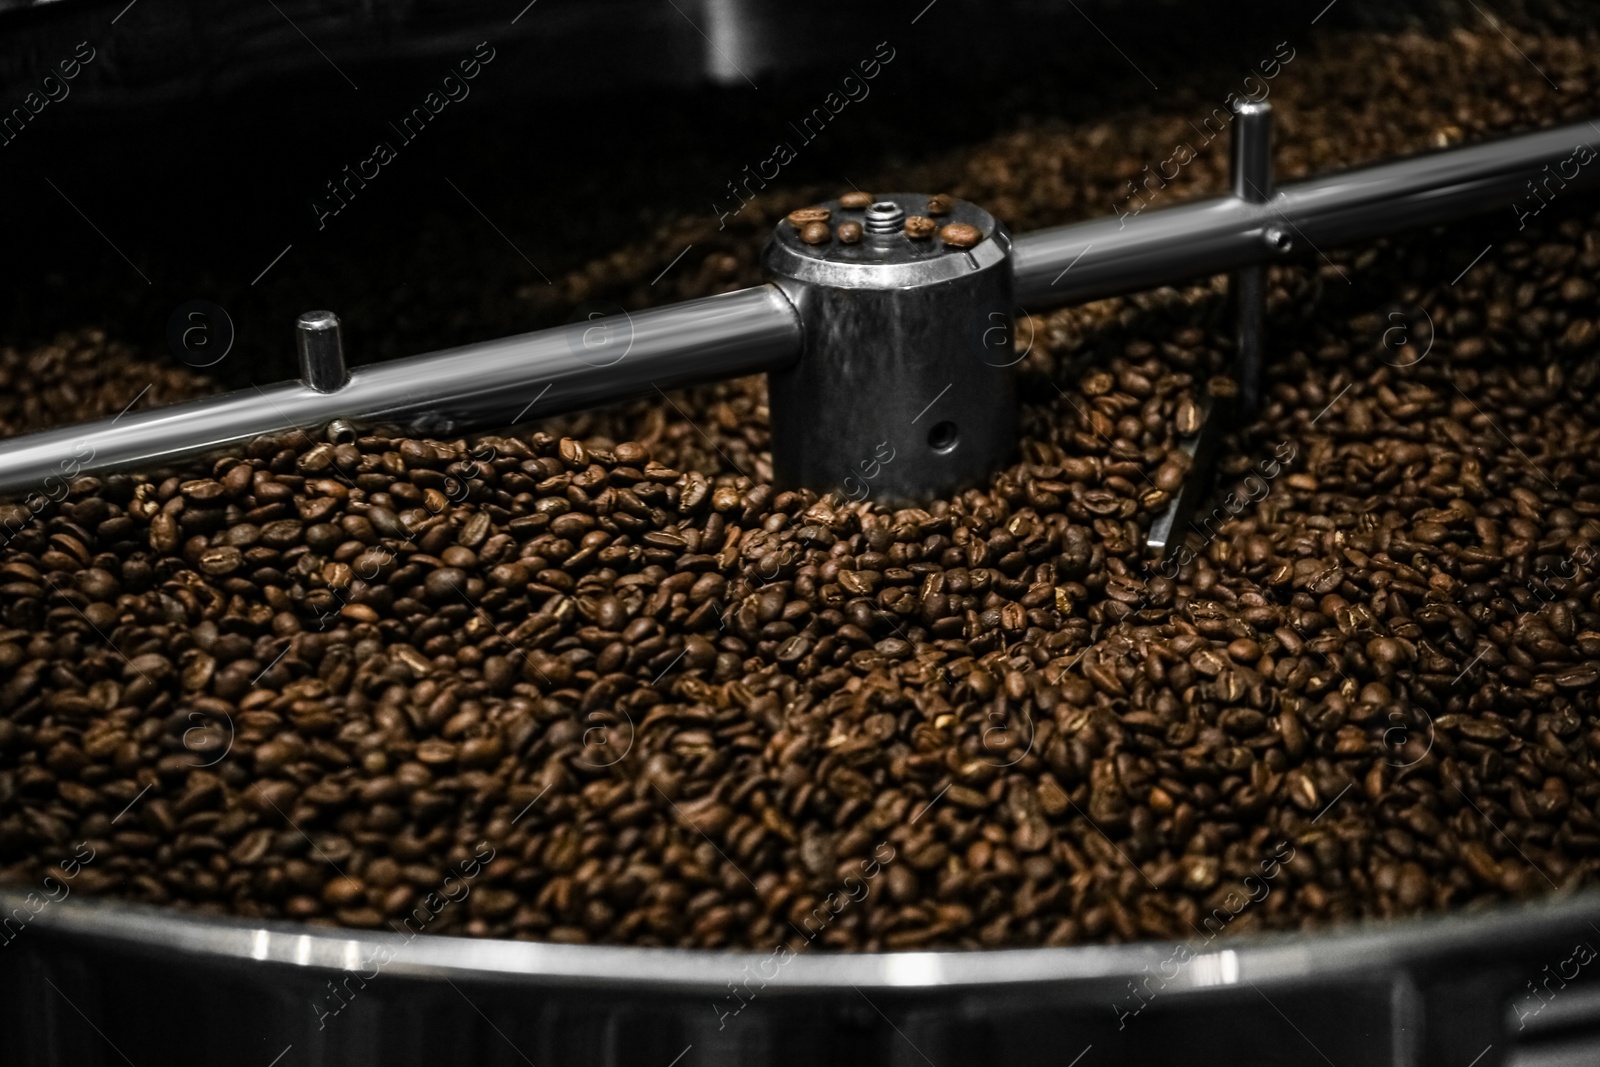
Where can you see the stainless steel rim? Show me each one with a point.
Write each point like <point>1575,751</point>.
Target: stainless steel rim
<point>1270,958</point>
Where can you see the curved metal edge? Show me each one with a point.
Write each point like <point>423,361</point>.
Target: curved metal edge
<point>1277,958</point>
<point>918,264</point>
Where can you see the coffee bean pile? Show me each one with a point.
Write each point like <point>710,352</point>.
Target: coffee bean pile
<point>81,376</point>
<point>1430,570</point>
<point>315,679</point>
<point>337,665</point>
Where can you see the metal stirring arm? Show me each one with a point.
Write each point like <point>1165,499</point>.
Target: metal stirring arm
<point>536,375</point>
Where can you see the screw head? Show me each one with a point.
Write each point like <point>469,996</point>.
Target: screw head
<point>885,217</point>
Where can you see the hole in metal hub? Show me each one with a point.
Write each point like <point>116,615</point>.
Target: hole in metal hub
<point>943,437</point>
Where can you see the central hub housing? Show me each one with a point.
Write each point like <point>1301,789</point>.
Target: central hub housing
<point>905,387</point>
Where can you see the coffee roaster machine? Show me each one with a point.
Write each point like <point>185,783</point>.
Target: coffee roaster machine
<point>911,332</point>
<point>88,982</point>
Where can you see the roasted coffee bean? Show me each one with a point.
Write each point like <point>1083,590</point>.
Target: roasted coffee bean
<point>816,233</point>
<point>855,200</point>
<point>849,233</point>
<point>800,218</point>
<point>446,583</point>
<point>960,235</point>
<point>940,204</point>
<point>220,561</point>
<point>1187,420</point>
<point>920,227</point>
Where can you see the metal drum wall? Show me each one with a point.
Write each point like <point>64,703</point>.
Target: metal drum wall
<point>103,984</point>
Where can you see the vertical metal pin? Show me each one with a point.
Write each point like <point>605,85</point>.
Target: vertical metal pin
<point>1251,171</point>
<point>321,351</point>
